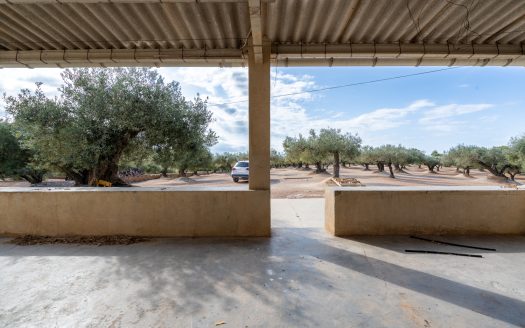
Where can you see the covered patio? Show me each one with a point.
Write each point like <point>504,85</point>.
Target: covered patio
<point>301,276</point>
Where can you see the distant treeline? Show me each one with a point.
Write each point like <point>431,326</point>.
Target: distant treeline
<point>332,147</point>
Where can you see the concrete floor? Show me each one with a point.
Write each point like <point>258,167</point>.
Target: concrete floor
<point>301,277</point>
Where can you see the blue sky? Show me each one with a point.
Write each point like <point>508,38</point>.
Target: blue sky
<point>482,106</point>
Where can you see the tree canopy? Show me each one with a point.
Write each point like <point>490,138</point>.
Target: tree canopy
<point>99,113</point>
<point>329,145</point>
<point>15,161</point>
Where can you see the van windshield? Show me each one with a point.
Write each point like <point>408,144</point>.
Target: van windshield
<point>241,164</point>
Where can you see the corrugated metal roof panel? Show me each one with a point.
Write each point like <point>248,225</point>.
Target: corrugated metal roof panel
<point>123,25</point>
<point>206,25</point>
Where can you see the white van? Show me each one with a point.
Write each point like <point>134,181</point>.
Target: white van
<point>241,171</point>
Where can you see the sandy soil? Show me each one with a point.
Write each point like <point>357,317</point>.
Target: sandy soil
<point>300,183</point>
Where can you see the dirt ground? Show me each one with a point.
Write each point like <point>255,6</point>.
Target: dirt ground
<point>300,183</point>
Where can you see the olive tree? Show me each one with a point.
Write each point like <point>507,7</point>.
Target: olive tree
<point>277,159</point>
<point>494,159</point>
<point>463,157</point>
<point>367,156</point>
<point>332,142</point>
<point>389,155</point>
<point>395,157</point>
<point>297,151</point>
<point>516,156</point>
<point>97,115</point>
<point>431,162</point>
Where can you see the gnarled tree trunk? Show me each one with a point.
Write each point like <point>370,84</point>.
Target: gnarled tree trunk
<point>431,168</point>
<point>107,166</point>
<point>336,165</point>
<point>391,171</point>
<point>318,167</point>
<point>397,167</point>
<point>32,176</point>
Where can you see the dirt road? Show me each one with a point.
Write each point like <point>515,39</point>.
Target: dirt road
<point>300,183</point>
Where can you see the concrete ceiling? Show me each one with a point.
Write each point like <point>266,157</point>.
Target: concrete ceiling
<point>50,33</point>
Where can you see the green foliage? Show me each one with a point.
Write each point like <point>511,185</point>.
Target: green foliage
<point>515,155</point>
<point>416,156</point>
<point>516,152</point>
<point>497,160</point>
<point>463,157</point>
<point>323,147</point>
<point>314,151</point>
<point>333,141</point>
<point>297,150</point>
<point>493,159</point>
<point>14,159</point>
<point>277,159</point>
<point>341,146</point>
<point>199,158</point>
<point>191,150</point>
<point>367,156</point>
<point>436,154</point>
<point>431,162</point>
<point>225,161</point>
<point>100,114</point>
<point>392,156</point>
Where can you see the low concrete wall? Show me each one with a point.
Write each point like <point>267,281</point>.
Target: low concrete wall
<point>429,210</point>
<point>169,212</point>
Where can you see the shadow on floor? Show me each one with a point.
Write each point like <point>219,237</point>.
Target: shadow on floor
<point>502,244</point>
<point>193,271</point>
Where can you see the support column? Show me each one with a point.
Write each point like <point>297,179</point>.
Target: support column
<point>259,118</point>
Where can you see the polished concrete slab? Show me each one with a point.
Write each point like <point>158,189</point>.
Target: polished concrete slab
<point>301,277</point>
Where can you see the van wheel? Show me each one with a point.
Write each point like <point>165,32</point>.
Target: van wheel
<point>235,179</point>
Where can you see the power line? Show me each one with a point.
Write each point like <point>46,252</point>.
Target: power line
<point>344,85</point>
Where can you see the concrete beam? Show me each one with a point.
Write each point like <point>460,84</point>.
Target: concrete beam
<point>400,54</point>
<point>256,29</point>
<point>398,50</point>
<point>259,119</point>
<point>122,57</point>
<point>282,55</point>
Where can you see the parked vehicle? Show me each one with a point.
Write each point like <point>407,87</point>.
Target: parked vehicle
<point>241,171</point>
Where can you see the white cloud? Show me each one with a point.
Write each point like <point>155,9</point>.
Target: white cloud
<point>295,118</point>
<point>14,79</point>
<point>451,110</point>
<point>450,118</point>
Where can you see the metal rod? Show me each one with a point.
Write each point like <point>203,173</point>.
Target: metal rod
<point>453,244</point>
<point>443,253</point>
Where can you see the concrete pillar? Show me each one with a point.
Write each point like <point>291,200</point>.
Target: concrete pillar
<point>259,119</point>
